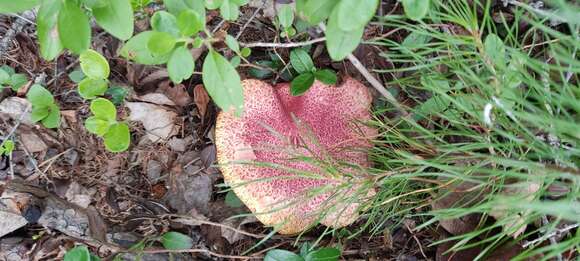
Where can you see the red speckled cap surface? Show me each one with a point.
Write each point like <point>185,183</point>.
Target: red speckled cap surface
<point>277,128</point>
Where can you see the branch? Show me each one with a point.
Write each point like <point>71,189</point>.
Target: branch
<point>373,81</point>
<point>282,45</point>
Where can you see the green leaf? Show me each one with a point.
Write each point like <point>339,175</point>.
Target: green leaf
<point>282,255</point>
<point>116,17</point>
<point>416,9</point>
<point>76,76</point>
<point>414,40</point>
<point>16,6</point>
<point>161,43</point>
<point>301,61</point>
<point>94,65</point>
<point>97,126</point>
<point>95,3</point>
<point>38,96</point>
<point>326,76</point>
<point>223,83</point>
<point>432,106</point>
<point>180,65</point>
<point>323,254</point>
<point>197,42</point>
<point>39,113</point>
<point>213,4</point>
<point>18,80</point>
<point>235,61</point>
<point>354,14</point>
<point>6,147</point>
<point>118,138</point>
<point>78,253</point>
<point>341,43</point>
<point>495,50</point>
<point>163,21</point>
<point>136,49</point>
<point>318,10</point>
<point>232,43</point>
<point>103,109</point>
<point>73,27</point>
<point>7,69</point>
<point>91,88</point>
<point>175,6</point>
<point>117,94</point>
<point>240,2</point>
<point>46,29</point>
<point>245,52</point>
<point>229,11</point>
<point>286,16</point>
<point>176,241</point>
<point>52,120</point>
<point>4,77</point>
<point>190,22</point>
<point>232,200</point>
<point>301,84</point>
<point>262,73</point>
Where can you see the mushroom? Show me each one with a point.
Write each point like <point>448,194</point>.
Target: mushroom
<point>263,154</point>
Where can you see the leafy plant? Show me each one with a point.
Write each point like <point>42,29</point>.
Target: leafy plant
<point>302,63</point>
<point>104,124</point>
<point>69,18</point>
<point>8,77</point>
<point>345,25</point>
<point>307,253</point>
<point>44,109</point>
<point>286,19</point>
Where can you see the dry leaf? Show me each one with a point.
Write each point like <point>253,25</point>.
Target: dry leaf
<point>459,195</point>
<point>158,121</point>
<point>515,220</point>
<point>156,98</point>
<point>32,142</point>
<point>178,93</point>
<point>201,99</point>
<point>14,107</point>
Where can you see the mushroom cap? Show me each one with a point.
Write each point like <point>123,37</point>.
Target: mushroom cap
<point>276,129</point>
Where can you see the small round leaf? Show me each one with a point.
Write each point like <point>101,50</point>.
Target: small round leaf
<point>91,88</point>
<point>118,138</point>
<point>103,109</point>
<point>94,65</point>
<point>161,43</point>
<point>326,76</point>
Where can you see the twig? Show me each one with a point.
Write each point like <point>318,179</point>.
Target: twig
<point>194,222</point>
<point>373,81</point>
<point>250,20</point>
<point>282,45</point>
<point>551,235</point>
<point>160,251</point>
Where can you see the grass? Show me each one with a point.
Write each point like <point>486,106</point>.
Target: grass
<point>494,127</point>
<point>495,104</point>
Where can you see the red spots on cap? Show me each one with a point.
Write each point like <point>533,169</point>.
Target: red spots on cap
<point>264,154</point>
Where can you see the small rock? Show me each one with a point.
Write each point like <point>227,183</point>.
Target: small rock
<point>68,221</point>
<point>32,142</point>
<point>154,169</point>
<point>180,145</point>
<point>79,195</point>
<point>187,192</point>
<point>14,107</point>
<point>71,157</point>
<point>9,222</point>
<point>13,249</point>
